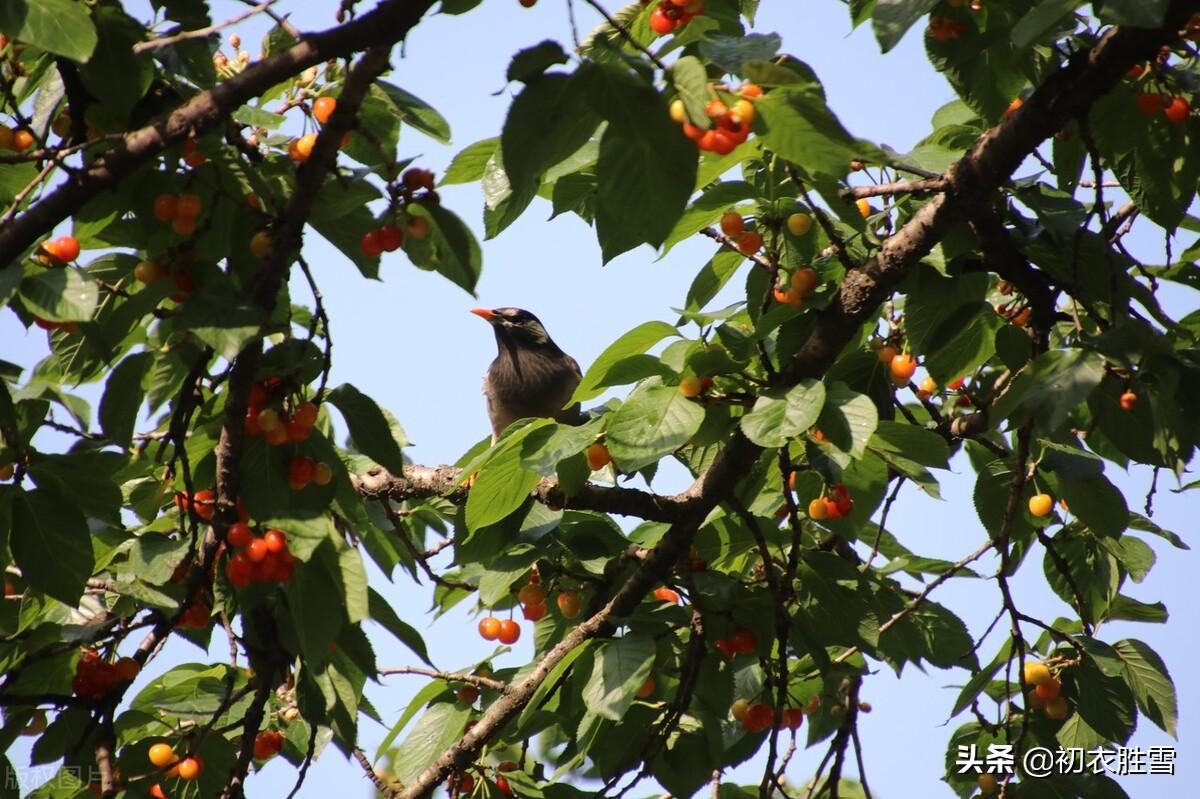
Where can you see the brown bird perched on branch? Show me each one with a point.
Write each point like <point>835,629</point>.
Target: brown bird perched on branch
<point>531,376</point>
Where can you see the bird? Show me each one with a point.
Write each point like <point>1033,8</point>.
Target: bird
<point>531,376</point>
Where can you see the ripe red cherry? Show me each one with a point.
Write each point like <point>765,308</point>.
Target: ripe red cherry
<point>758,717</point>
<point>744,641</point>
<point>301,470</point>
<point>1149,103</point>
<point>276,541</point>
<point>390,238</point>
<point>510,631</point>
<point>660,23</point>
<point>489,628</point>
<point>239,535</point>
<point>256,550</point>
<point>1177,113</point>
<point>1129,401</point>
<point>371,244</point>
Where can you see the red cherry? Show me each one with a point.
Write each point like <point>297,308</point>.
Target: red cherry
<point>510,631</point>
<point>276,541</point>
<point>301,470</point>
<point>391,238</point>
<point>660,23</point>
<point>256,550</point>
<point>239,534</point>
<point>744,641</point>
<point>371,244</point>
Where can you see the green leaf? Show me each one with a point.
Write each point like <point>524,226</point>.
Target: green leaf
<point>893,18</point>
<point>450,248</point>
<point>115,75</point>
<point>1051,387</point>
<point>370,429</point>
<point>618,671</point>
<point>60,295</point>
<point>848,419</point>
<point>440,727</point>
<point>315,600</point>
<point>779,415</point>
<point>86,477</point>
<point>802,129</point>
<point>654,421</point>
<point>646,168</point>
<point>1040,20</point>
<point>691,84</point>
<point>123,397</point>
<point>548,121</point>
<point>707,209</point>
<point>711,278</point>
<point>469,164</point>
<point>1105,704</point>
<point>62,27</point>
<point>968,339</point>
<point>915,443</point>
<point>51,543</point>
<point>1135,13</point>
<point>1151,684</point>
<point>225,323</point>
<point>414,111</point>
<point>502,485</point>
<point>636,341</point>
<point>531,62</point>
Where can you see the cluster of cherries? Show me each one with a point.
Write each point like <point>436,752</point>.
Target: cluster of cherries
<point>797,288</point>
<point>747,242</point>
<point>758,717</point>
<point>674,14</point>
<point>182,211</point>
<point>257,559</point>
<point>730,125</point>
<point>836,503</point>
<point>532,597</point>
<point>95,676</point>
<point>1047,690</point>
<point>389,237</point>
<point>945,29</point>
<point>742,642</point>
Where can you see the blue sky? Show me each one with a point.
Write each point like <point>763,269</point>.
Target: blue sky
<point>410,343</point>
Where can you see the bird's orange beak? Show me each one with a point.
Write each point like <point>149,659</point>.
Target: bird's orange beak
<point>483,313</point>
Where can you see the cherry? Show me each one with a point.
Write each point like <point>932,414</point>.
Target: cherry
<point>732,224</point>
<point>188,206</point>
<point>535,612</point>
<point>744,641</point>
<point>323,108</point>
<point>204,504</point>
<point>666,595</point>
<point>371,244</point>
<point>191,768</point>
<point>1040,505</point>
<point>678,111</point>
<point>126,669</point>
<point>390,238</point>
<point>1177,112</point>
<point>1056,708</point>
<point>297,432</point>
<point>467,694</point>
<point>489,628</point>
<point>598,456</point>
<point>569,604</point>
<point>510,631</point>
<point>161,755</point>
<point>759,717</point>
<point>903,367</point>
<point>532,594</point>
<point>738,708</point>
<point>690,386</point>
<point>261,244</point>
<point>1036,673</point>
<point>817,510</point>
<point>275,541</point>
<point>1013,107</point>
<point>792,717</point>
<point>301,149</point>
<point>417,227</point>
<point>790,297</point>
<point>726,646</point>
<point>749,243</point>
<point>1048,690</point>
<point>22,140</point>
<point>267,744</point>
<point>799,224</point>
<point>323,474</point>
<point>660,23</point>
<point>1149,103</point>
<point>647,688</point>
<point>804,280</point>
<point>1129,401</point>
<point>239,570</point>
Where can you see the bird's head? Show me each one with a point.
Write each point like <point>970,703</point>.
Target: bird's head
<point>515,327</point>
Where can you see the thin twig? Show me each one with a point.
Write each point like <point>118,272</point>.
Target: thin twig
<point>627,35</point>
<point>449,676</point>
<point>199,33</point>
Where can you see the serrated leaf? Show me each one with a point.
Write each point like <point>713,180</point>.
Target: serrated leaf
<point>848,419</point>
<point>51,544</point>
<point>123,397</point>
<point>654,421</point>
<point>370,430</point>
<point>60,295</point>
<point>469,164</point>
<point>619,670</point>
<point>414,111</point>
<point>531,62</point>
<point>636,341</point>
<point>62,27</point>
<point>1151,684</point>
<point>779,415</point>
<point>433,733</point>
<point>893,18</point>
